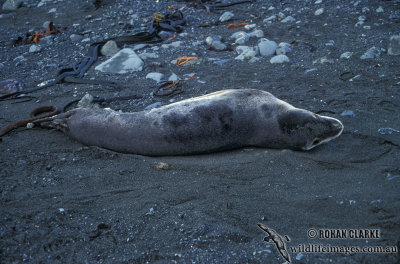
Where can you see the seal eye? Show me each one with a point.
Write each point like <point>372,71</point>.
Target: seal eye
<point>316,141</point>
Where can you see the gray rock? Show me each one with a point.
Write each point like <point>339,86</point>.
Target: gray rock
<point>124,61</point>
<point>245,53</point>
<point>319,11</point>
<point>87,102</point>
<point>215,43</point>
<point>34,48</point>
<point>76,37</point>
<point>12,4</point>
<point>372,53</point>
<point>279,59</point>
<point>346,55</point>
<point>288,19</point>
<point>267,47</point>
<point>240,37</point>
<point>283,48</point>
<point>156,76</point>
<point>348,113</point>
<point>394,45</point>
<point>323,60</point>
<point>148,55</point>
<point>226,16</point>
<point>109,49</point>
<point>173,77</point>
<point>257,33</point>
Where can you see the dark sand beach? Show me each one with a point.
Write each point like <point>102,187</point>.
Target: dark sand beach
<point>63,202</point>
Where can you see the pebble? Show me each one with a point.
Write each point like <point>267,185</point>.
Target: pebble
<point>379,10</point>
<point>319,11</point>
<point>215,42</point>
<point>288,19</point>
<point>346,55</point>
<point>12,4</point>
<point>34,48</point>
<point>279,59</point>
<point>53,10</point>
<point>251,26</point>
<point>267,47</point>
<point>226,16</point>
<point>394,45</point>
<point>156,76</point>
<point>240,37</point>
<point>323,60</point>
<point>87,102</point>
<point>387,131</point>
<point>257,33</point>
<point>372,53</point>
<point>1,66</point>
<point>390,177</point>
<point>245,53</point>
<point>174,44</point>
<point>148,55</point>
<point>76,37</point>
<point>269,19</point>
<point>109,49</point>
<point>348,113</point>
<point>283,48</point>
<point>10,86</point>
<point>124,61</point>
<point>173,77</point>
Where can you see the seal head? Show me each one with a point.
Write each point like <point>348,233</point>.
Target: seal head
<point>304,130</point>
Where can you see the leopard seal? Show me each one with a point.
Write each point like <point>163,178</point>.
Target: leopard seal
<point>218,121</point>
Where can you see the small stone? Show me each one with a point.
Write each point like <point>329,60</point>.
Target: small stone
<point>387,131</point>
<point>87,101</point>
<point>124,61</point>
<point>251,26</point>
<point>215,42</point>
<point>372,53</point>
<point>173,77</point>
<point>53,10</point>
<point>245,52</point>
<point>319,11</point>
<point>34,48</point>
<point>283,48</point>
<point>348,113</point>
<point>146,55</point>
<point>394,45</point>
<point>76,37</point>
<point>279,59</point>
<point>346,55</point>
<point>109,49</point>
<point>379,10</point>
<point>30,125</point>
<point>318,2</point>
<point>226,16</point>
<point>257,33</point>
<point>288,19</point>
<point>323,60</point>
<point>240,37</point>
<point>1,66</point>
<point>156,76</point>
<point>269,19</point>
<point>267,47</point>
<point>46,24</point>
<point>162,166</point>
<point>12,4</point>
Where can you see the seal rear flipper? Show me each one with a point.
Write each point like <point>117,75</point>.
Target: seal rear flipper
<point>58,122</point>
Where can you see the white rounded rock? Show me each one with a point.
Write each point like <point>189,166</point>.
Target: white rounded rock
<point>279,59</point>
<point>267,47</point>
<point>156,76</point>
